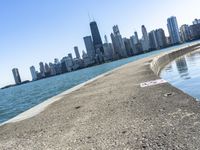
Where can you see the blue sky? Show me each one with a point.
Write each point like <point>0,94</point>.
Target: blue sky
<point>41,30</point>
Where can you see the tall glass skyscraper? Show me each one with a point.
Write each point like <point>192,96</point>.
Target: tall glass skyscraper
<point>145,38</point>
<point>173,29</point>
<point>77,52</point>
<point>96,37</point>
<point>89,47</point>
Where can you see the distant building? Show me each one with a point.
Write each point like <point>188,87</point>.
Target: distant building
<point>146,44</point>
<point>33,73</point>
<point>77,52</point>
<point>136,37</point>
<point>96,37</point>
<point>128,46</point>
<point>86,60</point>
<point>196,21</point>
<point>89,47</point>
<point>47,70</point>
<point>195,31</point>
<point>57,66</point>
<point>108,50</point>
<point>173,29</point>
<point>16,76</point>
<point>161,38</point>
<point>70,55</point>
<point>42,69</point>
<point>134,42</point>
<point>77,63</point>
<point>185,33</point>
<point>52,69</point>
<point>118,43</point>
<point>153,41</point>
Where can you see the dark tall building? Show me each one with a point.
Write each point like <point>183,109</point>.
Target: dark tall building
<point>77,52</point>
<point>195,31</point>
<point>98,45</point>
<point>16,76</point>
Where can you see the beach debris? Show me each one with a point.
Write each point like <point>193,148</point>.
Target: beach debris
<point>77,107</point>
<point>168,94</point>
<point>124,132</point>
<point>152,83</point>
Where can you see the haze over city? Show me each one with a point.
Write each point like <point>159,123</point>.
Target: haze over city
<point>37,31</point>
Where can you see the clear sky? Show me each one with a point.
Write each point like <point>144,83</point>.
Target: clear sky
<point>41,30</point>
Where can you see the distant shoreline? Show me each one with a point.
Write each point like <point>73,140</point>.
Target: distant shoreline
<point>28,81</point>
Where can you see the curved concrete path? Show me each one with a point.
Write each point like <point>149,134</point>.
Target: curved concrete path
<point>112,113</point>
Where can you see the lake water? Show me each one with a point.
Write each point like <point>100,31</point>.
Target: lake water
<point>184,73</point>
<point>16,100</point>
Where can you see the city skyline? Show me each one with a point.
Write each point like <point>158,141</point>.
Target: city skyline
<point>26,73</point>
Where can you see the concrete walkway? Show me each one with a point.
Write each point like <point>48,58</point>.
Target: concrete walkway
<point>112,113</point>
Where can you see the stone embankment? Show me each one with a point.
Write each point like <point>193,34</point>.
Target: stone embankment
<point>114,113</point>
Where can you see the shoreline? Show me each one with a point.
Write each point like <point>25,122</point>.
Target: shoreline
<point>112,112</point>
<point>42,106</point>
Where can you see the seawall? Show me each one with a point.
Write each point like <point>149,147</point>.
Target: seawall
<point>162,60</point>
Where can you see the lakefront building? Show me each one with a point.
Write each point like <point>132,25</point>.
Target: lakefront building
<point>97,42</point>
<point>33,73</point>
<point>16,75</point>
<point>77,52</point>
<point>161,38</point>
<point>185,33</point>
<point>173,29</point>
<point>145,40</point>
<point>153,41</point>
<point>97,52</point>
<point>89,47</point>
<point>118,43</point>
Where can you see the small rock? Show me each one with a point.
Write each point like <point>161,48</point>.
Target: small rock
<point>168,94</point>
<point>77,107</point>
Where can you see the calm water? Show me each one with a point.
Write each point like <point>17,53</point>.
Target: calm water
<point>184,73</point>
<point>16,100</point>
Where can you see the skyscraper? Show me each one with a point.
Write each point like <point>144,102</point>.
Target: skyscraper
<point>89,47</point>
<point>196,21</point>
<point>33,73</point>
<point>47,69</point>
<point>185,33</point>
<point>16,76</point>
<point>42,69</point>
<point>161,38</point>
<point>77,52</point>
<point>118,43</point>
<point>136,37</point>
<point>173,29</point>
<point>70,55</point>
<point>145,38</point>
<point>195,31</point>
<point>153,41</point>
<point>96,37</point>
<point>108,50</point>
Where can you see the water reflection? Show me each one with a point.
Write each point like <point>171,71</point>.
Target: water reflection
<point>182,68</point>
<point>184,73</point>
